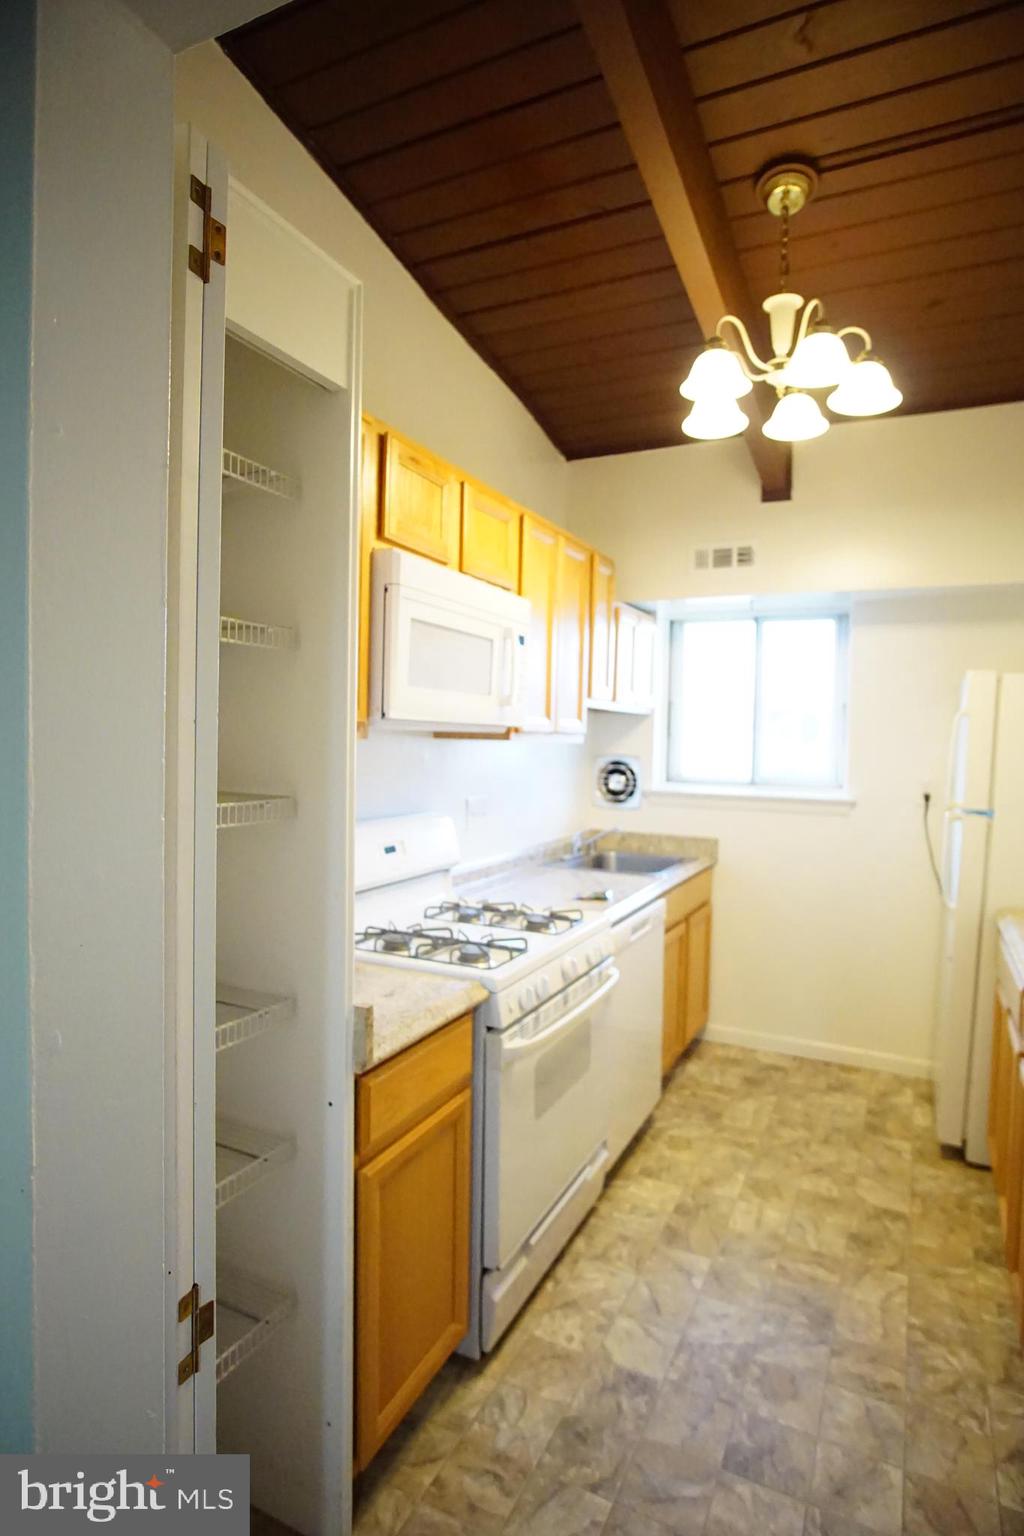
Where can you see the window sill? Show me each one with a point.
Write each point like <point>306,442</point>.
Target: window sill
<point>754,795</point>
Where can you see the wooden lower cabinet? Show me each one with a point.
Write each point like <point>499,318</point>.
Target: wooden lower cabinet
<point>687,977</point>
<point>414,1119</point>
<point>698,971</point>
<point>1006,1129</point>
<point>674,1004</point>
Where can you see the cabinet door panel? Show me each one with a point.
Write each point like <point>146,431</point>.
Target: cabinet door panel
<point>571,647</point>
<point>643,663</point>
<point>420,504</point>
<point>674,1004</point>
<point>698,971</point>
<point>625,643</point>
<point>490,537</point>
<point>602,629</point>
<point>412,1262</point>
<point>538,581</point>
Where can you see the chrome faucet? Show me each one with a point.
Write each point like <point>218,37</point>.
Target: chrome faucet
<point>581,844</point>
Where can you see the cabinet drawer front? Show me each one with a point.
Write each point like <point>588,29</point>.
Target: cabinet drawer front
<point>402,1091</point>
<point>686,898</point>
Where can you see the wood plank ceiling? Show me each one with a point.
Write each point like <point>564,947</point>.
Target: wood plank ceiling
<point>480,141</point>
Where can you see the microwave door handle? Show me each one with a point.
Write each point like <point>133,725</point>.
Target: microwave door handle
<point>508,656</point>
<point>534,1043</point>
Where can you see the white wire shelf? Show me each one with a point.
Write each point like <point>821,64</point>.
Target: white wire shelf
<point>264,637</point>
<point>235,809</point>
<point>249,1312</point>
<point>238,470</point>
<point>245,1156</point>
<point>242,1015</point>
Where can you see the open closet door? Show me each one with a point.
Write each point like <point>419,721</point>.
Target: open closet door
<point>193,564</point>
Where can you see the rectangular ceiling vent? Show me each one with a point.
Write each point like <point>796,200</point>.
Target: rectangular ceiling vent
<point>722,557</point>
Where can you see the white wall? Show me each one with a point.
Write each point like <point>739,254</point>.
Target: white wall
<point>96,719</point>
<point>897,503</point>
<point>534,787</point>
<point>826,919</point>
<point>420,376</point>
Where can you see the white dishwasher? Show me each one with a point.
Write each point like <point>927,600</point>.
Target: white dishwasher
<point>635,1022</point>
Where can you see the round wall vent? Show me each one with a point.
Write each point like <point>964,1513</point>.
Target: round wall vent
<point>617,782</point>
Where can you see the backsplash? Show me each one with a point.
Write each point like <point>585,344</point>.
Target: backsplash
<point>502,795</point>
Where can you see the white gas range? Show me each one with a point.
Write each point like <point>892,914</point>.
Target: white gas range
<point>541,1088</point>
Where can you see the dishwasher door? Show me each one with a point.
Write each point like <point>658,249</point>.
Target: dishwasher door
<point>635,1023</point>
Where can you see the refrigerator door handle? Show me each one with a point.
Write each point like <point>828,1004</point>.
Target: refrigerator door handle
<point>951,814</point>
<point>954,742</point>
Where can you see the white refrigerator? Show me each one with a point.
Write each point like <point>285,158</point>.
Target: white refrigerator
<point>982,872</point>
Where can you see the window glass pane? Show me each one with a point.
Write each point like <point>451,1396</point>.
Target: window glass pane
<point>796,729</point>
<point>713,698</point>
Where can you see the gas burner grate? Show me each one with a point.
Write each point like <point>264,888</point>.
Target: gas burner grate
<point>513,914</point>
<point>483,951</point>
<point>506,914</point>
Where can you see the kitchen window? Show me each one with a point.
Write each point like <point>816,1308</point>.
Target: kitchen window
<point>758,702</point>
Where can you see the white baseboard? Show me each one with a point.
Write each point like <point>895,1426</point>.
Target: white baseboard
<point>819,1050</point>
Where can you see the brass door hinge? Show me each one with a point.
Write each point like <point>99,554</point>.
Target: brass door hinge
<point>215,234</point>
<point>203,1318</point>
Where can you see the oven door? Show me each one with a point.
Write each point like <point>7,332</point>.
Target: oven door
<point>448,664</point>
<point>545,1112</point>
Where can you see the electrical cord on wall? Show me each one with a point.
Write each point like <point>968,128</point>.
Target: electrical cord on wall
<point>928,840</point>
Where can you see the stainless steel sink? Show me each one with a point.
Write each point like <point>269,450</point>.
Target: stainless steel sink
<point>618,861</point>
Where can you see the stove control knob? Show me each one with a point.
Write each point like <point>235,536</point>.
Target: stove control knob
<point>527,998</point>
<point>570,968</point>
<point>544,988</point>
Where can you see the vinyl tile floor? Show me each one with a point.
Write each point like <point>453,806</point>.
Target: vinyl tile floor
<point>788,1316</point>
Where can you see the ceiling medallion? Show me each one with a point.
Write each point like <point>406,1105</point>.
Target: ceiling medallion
<point>807,353</point>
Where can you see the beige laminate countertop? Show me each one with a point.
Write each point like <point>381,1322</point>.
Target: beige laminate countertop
<point>395,1007</point>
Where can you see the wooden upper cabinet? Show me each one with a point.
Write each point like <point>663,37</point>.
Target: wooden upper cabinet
<point>602,629</point>
<point>572,650</point>
<point>490,536</point>
<point>420,502</point>
<point>538,580</point>
<point>635,633</point>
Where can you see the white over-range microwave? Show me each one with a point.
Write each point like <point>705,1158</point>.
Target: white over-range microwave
<point>446,651</point>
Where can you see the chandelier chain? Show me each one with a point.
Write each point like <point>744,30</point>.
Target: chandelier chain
<point>784,245</point>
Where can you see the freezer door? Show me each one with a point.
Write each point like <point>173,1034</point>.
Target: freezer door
<point>964,854</point>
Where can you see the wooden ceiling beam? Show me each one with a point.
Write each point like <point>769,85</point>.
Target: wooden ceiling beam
<point>639,56</point>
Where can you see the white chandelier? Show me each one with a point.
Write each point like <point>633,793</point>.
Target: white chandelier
<point>807,353</point>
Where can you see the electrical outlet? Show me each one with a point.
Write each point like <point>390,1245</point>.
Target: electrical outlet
<point>477,806</point>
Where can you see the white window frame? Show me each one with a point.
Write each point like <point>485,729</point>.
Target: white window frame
<point>835,792</point>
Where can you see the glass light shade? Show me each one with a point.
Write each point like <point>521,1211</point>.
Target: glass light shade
<point>715,374</point>
<point>820,360</point>
<point>715,418</point>
<point>796,418</point>
<point>866,389</point>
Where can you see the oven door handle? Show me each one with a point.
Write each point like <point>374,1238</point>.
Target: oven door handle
<point>534,1042</point>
